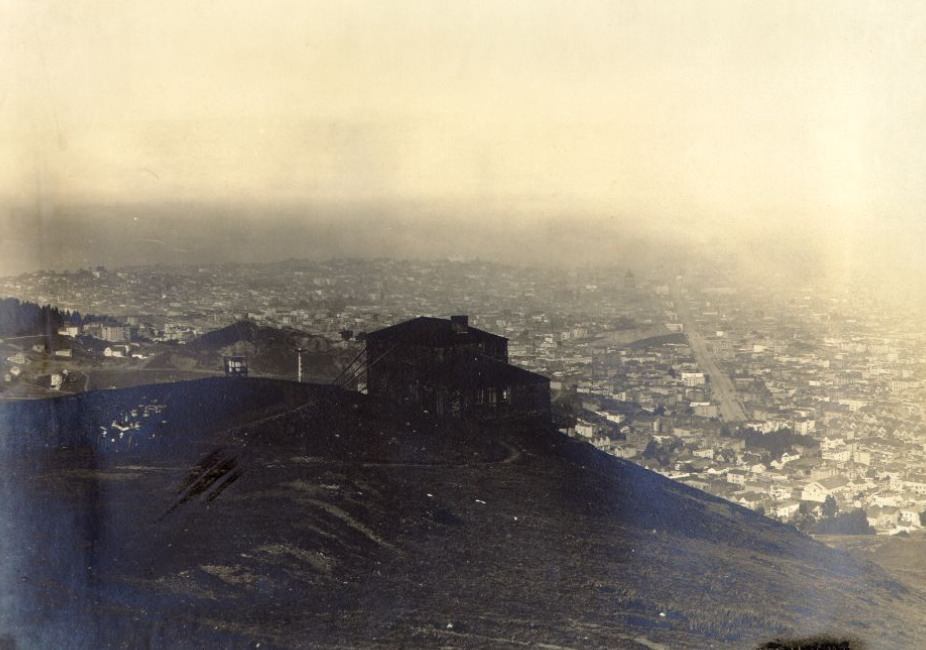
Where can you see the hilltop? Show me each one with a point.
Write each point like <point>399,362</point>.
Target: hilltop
<point>322,519</point>
<point>246,331</point>
<point>270,351</point>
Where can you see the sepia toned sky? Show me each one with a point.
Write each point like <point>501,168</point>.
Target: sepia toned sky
<point>701,118</point>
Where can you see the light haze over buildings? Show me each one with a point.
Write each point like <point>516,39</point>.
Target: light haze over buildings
<point>780,131</point>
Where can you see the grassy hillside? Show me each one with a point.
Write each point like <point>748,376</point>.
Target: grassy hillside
<point>902,555</point>
<point>339,524</point>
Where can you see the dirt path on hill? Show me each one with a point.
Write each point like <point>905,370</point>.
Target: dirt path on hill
<point>513,456</point>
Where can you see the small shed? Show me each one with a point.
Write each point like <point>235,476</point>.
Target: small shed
<point>236,366</point>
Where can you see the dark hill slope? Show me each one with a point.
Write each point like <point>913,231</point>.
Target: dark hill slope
<point>338,524</point>
<point>270,351</point>
<point>251,332</point>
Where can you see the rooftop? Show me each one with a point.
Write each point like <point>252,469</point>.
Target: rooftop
<point>434,332</point>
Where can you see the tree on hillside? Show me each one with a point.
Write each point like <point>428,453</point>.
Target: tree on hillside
<point>847,523</point>
<point>830,507</point>
<point>26,318</point>
<point>776,442</point>
<point>725,455</point>
<point>805,517</point>
<point>652,450</point>
<point>660,453</point>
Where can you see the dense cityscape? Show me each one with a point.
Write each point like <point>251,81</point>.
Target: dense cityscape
<point>804,408</point>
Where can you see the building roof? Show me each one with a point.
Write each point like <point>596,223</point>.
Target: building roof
<point>433,332</point>
<point>833,482</point>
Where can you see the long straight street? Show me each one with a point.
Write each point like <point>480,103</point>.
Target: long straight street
<point>722,388</point>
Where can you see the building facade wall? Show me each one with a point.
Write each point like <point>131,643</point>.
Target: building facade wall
<point>410,375</point>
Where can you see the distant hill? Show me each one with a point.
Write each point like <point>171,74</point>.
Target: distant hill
<point>246,331</point>
<point>656,341</point>
<point>270,351</point>
<point>330,521</point>
<point>637,337</point>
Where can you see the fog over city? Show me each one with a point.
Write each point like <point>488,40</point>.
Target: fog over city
<point>788,135</point>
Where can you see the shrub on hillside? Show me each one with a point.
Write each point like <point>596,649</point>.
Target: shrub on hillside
<point>848,523</point>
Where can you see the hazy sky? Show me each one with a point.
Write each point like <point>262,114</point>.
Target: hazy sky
<point>710,118</point>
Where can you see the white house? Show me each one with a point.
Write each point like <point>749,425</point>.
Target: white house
<point>585,429</point>
<point>910,517</point>
<point>736,477</point>
<point>804,427</point>
<point>915,483</point>
<point>692,379</point>
<point>787,509</point>
<point>837,454</point>
<point>818,490</point>
<point>884,518</point>
<point>116,351</point>
<point>862,457</point>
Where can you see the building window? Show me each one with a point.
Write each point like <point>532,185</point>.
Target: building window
<point>506,395</point>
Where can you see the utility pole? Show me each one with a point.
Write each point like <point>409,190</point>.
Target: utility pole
<point>299,352</point>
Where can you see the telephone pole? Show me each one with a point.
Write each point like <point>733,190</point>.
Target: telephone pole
<point>299,352</point>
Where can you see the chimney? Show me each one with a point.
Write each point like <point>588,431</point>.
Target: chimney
<point>459,324</point>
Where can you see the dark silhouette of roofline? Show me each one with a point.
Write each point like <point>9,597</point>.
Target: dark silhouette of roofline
<point>421,327</point>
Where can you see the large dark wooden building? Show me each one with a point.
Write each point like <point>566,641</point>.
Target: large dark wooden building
<point>450,369</point>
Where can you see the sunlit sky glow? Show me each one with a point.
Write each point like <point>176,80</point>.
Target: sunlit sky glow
<point>697,117</point>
